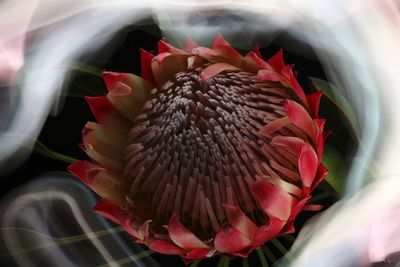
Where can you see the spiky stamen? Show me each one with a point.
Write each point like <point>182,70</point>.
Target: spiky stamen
<point>196,146</point>
<point>210,153</point>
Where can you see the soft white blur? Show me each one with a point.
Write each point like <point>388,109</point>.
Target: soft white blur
<point>357,42</point>
<point>51,218</point>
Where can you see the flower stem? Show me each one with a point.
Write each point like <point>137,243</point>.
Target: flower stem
<point>268,253</point>
<point>133,258</point>
<point>261,255</point>
<point>223,262</point>
<point>82,67</point>
<point>194,264</point>
<point>282,249</point>
<point>279,246</point>
<point>58,241</point>
<point>41,149</point>
<point>245,262</point>
<point>289,238</point>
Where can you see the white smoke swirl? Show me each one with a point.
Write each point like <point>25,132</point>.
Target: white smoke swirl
<point>357,44</point>
<point>42,225</point>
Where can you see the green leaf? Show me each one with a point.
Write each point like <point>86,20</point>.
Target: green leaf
<point>38,147</point>
<point>245,262</point>
<point>262,258</point>
<point>338,99</point>
<point>287,256</point>
<point>85,80</point>
<point>321,196</point>
<point>289,238</point>
<point>41,149</point>
<point>279,246</point>
<point>269,254</point>
<point>133,258</point>
<point>82,67</point>
<point>32,241</point>
<point>223,262</point>
<point>336,177</point>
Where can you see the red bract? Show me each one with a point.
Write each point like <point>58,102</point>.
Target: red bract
<point>208,153</point>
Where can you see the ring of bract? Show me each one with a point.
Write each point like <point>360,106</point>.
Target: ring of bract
<point>207,153</point>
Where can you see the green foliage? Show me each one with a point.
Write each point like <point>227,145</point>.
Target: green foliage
<point>339,100</point>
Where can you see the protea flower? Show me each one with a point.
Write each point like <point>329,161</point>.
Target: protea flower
<point>208,153</point>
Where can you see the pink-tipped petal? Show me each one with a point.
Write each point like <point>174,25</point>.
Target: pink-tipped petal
<point>257,50</point>
<point>274,126</point>
<point>249,64</point>
<point>166,65</point>
<point>80,168</point>
<point>288,229</point>
<point>299,116</point>
<point>222,47</point>
<point>197,254</point>
<point>291,144</point>
<point>230,241</point>
<point>181,236</point>
<point>209,55</point>
<point>100,106</point>
<point>268,75</point>
<point>95,137</point>
<point>127,92</point>
<point>124,84</point>
<point>313,207</point>
<point>321,174</point>
<point>258,60</point>
<point>267,232</point>
<point>103,150</point>
<point>126,223</point>
<point>164,47</point>
<point>215,69</point>
<point>109,210</point>
<point>190,45</point>
<point>143,231</point>
<point>277,62</point>
<point>238,220</point>
<point>145,62</point>
<point>194,61</point>
<point>98,179</point>
<point>287,71</point>
<point>106,114</point>
<point>274,201</point>
<point>104,159</point>
<point>320,123</point>
<point>116,83</point>
<point>288,187</point>
<point>308,165</point>
<point>139,235</point>
<point>313,102</point>
<point>165,248</point>
<point>298,207</point>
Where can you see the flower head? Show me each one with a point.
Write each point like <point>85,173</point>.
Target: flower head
<point>208,153</point>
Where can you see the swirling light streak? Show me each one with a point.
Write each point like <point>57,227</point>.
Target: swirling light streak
<point>357,43</point>
<point>30,209</point>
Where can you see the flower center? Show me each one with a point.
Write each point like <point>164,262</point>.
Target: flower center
<point>196,146</point>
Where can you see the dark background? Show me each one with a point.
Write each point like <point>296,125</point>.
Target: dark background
<point>63,132</point>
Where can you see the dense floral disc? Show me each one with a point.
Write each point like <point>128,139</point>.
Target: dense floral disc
<point>208,153</point>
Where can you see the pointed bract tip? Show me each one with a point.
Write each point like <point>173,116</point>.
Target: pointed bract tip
<point>109,210</point>
<point>181,236</point>
<point>276,61</point>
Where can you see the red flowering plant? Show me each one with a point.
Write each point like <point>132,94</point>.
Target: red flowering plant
<point>208,153</point>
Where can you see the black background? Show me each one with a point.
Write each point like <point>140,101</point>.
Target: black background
<point>63,132</point>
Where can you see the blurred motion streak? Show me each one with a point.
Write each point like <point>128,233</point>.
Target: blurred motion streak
<point>12,36</point>
<point>357,42</point>
<point>39,218</point>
